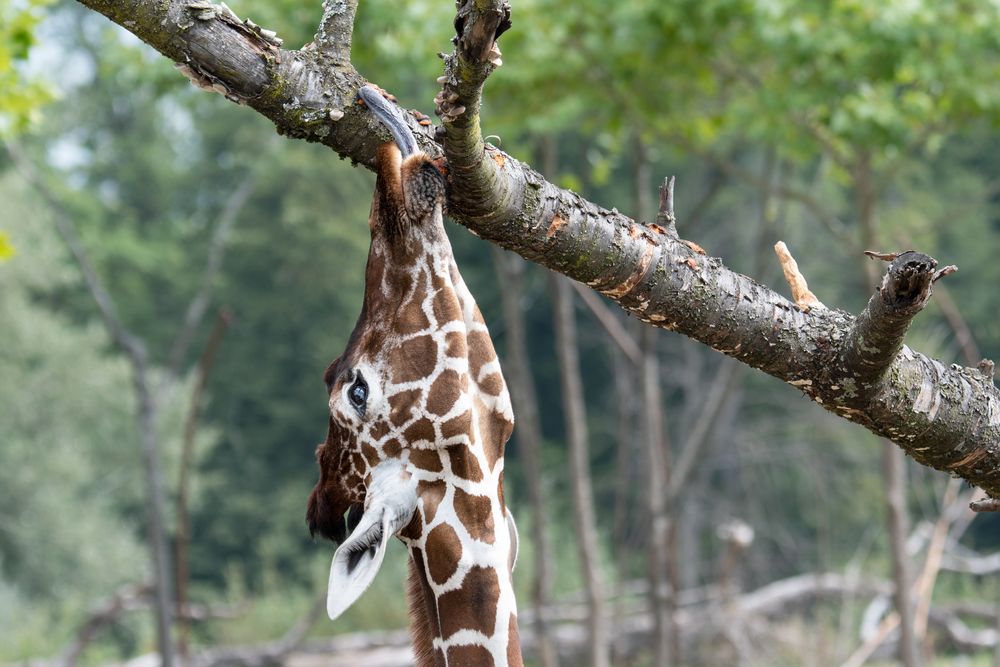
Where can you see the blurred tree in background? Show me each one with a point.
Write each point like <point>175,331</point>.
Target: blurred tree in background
<point>836,126</point>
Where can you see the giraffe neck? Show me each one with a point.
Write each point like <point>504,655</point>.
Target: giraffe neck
<point>455,421</point>
<point>461,597</point>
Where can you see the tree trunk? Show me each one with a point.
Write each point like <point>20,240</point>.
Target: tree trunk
<point>528,437</point>
<point>579,469</point>
<point>155,509</point>
<point>184,479</point>
<point>894,472</point>
<point>657,457</point>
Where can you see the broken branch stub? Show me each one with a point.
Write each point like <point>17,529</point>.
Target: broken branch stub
<point>877,335</point>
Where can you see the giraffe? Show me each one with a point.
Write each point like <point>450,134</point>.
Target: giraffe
<point>419,414</point>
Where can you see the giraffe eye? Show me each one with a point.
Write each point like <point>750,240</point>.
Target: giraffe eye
<point>358,394</point>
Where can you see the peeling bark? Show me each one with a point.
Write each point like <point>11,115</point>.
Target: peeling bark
<point>944,417</point>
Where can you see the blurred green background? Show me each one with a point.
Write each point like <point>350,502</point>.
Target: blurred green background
<point>836,126</point>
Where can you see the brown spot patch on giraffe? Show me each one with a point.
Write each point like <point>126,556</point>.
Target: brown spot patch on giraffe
<point>513,643</point>
<point>370,454</point>
<point>400,404</point>
<point>468,655</point>
<point>464,463</point>
<point>422,603</point>
<point>455,344</point>
<point>414,529</point>
<point>444,549</point>
<point>476,514</point>
<point>481,351</point>
<point>445,304</point>
<point>413,359</point>
<point>431,494</point>
<point>392,448</point>
<point>445,392</point>
<point>473,606</point>
<point>503,505</point>
<point>426,459</point>
<point>494,429</point>
<point>410,317</point>
<point>378,430</point>
<point>420,433</point>
<point>460,425</point>
<point>492,384</point>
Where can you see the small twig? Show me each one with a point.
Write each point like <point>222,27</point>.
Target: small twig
<point>986,505</point>
<point>183,485</point>
<point>665,217</point>
<point>884,256</point>
<point>801,294</point>
<point>941,273</point>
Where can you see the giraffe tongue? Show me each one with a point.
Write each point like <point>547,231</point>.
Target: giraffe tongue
<point>391,501</point>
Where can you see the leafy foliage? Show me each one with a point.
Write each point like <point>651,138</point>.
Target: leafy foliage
<point>20,94</point>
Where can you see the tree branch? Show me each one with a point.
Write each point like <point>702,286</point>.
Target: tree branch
<point>945,417</point>
<point>333,38</point>
<point>877,334</point>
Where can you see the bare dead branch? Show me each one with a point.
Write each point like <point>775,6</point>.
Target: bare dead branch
<point>941,273</point>
<point>187,456</point>
<point>986,505</point>
<point>665,217</point>
<point>801,294</point>
<point>266,655</point>
<point>693,447</point>
<point>105,613</point>
<point>120,335</point>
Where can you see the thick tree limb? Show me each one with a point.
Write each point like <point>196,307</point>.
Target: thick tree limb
<point>945,417</point>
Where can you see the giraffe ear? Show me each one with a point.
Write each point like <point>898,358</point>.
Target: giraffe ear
<point>391,501</point>
<point>514,539</point>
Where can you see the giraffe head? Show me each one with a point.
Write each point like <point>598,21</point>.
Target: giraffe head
<point>419,415</point>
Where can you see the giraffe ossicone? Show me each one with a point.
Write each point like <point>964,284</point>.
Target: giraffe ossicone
<point>419,414</point>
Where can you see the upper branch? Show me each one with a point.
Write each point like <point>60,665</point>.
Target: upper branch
<point>299,91</point>
<point>477,185</point>
<point>336,30</point>
<point>877,335</point>
<point>945,417</point>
